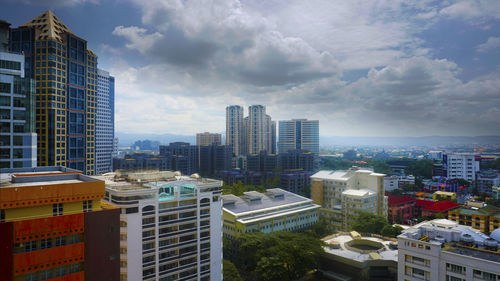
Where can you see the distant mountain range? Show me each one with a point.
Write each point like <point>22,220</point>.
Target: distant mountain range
<point>126,139</point>
<point>408,141</point>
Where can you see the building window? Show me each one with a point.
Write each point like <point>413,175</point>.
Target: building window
<point>45,243</point>
<point>2,215</point>
<point>87,205</point>
<point>57,209</point>
<point>60,241</point>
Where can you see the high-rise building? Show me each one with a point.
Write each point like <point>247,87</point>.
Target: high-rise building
<point>235,131</point>
<point>443,250</point>
<point>171,226</point>
<point>53,226</point>
<point>104,122</point>
<point>298,134</point>
<point>260,131</point>
<point>208,139</point>
<point>17,112</point>
<point>65,71</point>
<point>344,193</point>
<point>460,166</point>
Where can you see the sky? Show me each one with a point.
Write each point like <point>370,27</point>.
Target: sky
<point>362,68</point>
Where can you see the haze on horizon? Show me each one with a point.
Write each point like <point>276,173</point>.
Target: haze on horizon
<point>363,68</point>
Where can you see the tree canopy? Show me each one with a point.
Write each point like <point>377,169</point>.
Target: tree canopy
<point>279,256</point>
<point>369,223</point>
<point>229,272</point>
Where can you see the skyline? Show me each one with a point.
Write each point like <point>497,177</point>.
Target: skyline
<point>337,58</point>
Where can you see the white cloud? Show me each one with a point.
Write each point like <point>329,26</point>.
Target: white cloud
<point>491,44</point>
<point>203,55</point>
<point>473,9</point>
<point>138,37</point>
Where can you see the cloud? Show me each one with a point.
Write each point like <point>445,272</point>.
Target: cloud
<point>57,3</point>
<point>473,9</point>
<point>138,37</point>
<point>491,44</point>
<point>197,56</point>
<point>234,45</point>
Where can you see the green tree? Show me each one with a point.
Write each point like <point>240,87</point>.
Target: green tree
<point>369,223</point>
<point>319,229</point>
<point>279,256</point>
<point>391,231</point>
<point>229,271</point>
<point>420,168</point>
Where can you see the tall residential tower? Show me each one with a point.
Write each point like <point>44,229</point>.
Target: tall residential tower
<point>235,132</point>
<point>260,131</point>
<point>65,71</point>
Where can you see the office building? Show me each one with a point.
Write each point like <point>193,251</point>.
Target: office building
<point>65,71</point>
<point>185,157</point>
<point>208,139</point>
<point>486,180</point>
<point>296,181</point>
<point>342,194</point>
<point>17,111</point>
<point>260,131</point>
<point>298,134</point>
<point>435,155</point>
<point>104,122</point>
<point>53,226</point>
<point>235,130</point>
<point>170,226</point>
<point>460,166</point>
<point>443,250</point>
<point>275,210</point>
<point>143,161</point>
<point>296,159</point>
<point>213,158</point>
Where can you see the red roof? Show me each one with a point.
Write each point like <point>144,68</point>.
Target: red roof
<point>442,206</point>
<point>423,203</point>
<point>396,200</point>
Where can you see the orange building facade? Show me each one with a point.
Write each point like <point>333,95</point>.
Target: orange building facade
<point>51,226</point>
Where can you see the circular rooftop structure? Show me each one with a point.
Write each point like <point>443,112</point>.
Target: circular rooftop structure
<point>364,245</point>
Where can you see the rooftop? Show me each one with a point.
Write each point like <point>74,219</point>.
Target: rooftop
<point>488,210</point>
<point>49,25</point>
<point>358,192</point>
<point>345,251</point>
<point>20,177</point>
<point>456,238</point>
<point>255,201</point>
<point>396,200</point>
<point>342,175</point>
<point>442,206</point>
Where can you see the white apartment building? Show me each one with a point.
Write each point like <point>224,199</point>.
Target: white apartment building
<point>443,250</point>
<point>461,166</point>
<point>260,130</point>
<point>170,226</point>
<point>344,193</point>
<point>394,182</point>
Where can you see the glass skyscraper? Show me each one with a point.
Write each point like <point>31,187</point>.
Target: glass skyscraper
<point>298,134</point>
<point>65,71</point>
<point>105,121</point>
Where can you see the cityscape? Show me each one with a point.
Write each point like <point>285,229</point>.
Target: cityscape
<point>226,140</point>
